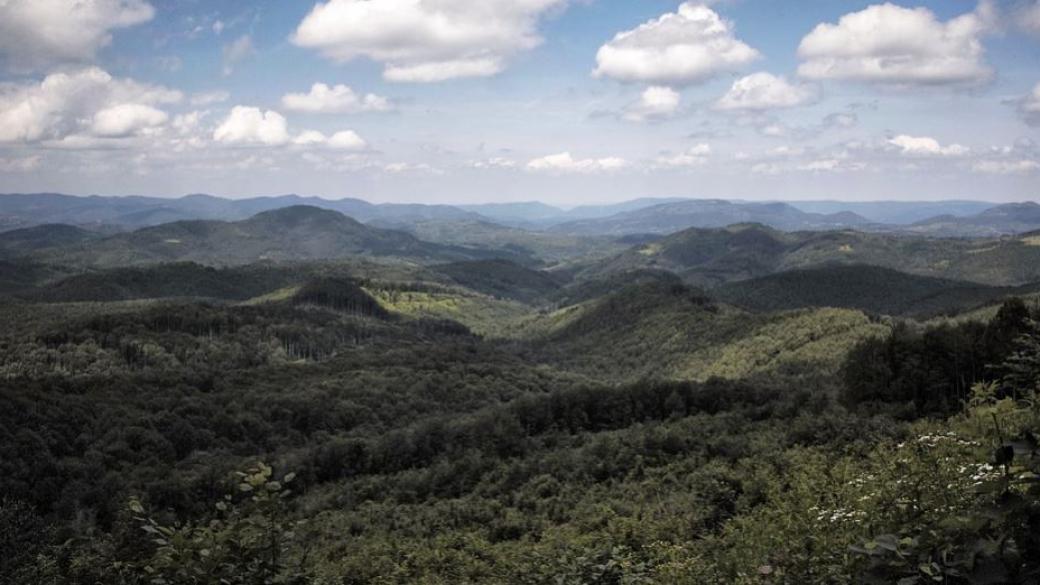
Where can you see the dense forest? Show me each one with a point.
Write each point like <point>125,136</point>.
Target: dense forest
<point>431,414</point>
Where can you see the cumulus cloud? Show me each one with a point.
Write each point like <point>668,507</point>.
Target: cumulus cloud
<point>343,140</point>
<point>35,34</point>
<point>656,102</point>
<point>764,91</point>
<point>925,146</point>
<point>127,120</point>
<point>252,126</point>
<point>565,163</point>
<point>496,162</point>
<point>680,48</point>
<point>1004,167</point>
<point>237,51</point>
<point>692,157</point>
<point>425,41</point>
<point>88,102</point>
<point>1029,107</point>
<point>890,44</point>
<point>334,100</point>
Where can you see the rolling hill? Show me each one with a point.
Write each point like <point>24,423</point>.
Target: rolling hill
<point>25,241</point>
<point>289,234</point>
<point>534,246</point>
<point>711,257</point>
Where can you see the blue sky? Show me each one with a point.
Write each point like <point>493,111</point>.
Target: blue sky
<point>564,101</point>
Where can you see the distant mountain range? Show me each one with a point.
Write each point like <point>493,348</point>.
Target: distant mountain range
<point>675,216</point>
<point>298,233</point>
<point>1011,218</point>
<point>135,212</point>
<point>442,223</point>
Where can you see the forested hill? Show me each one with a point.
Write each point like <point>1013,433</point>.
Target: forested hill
<point>877,290</point>
<point>711,257</point>
<point>287,234</point>
<point>26,241</point>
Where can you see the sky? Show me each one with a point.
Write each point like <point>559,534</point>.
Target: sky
<point>567,102</point>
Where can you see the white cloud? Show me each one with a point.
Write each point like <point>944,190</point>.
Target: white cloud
<point>764,91</point>
<point>695,156</point>
<point>127,120</point>
<point>346,140</point>
<point>496,162</point>
<point>684,47</point>
<point>343,140</point>
<point>565,163</point>
<point>1029,107</point>
<point>656,102</point>
<point>251,126</point>
<point>35,34</point>
<point>310,138</point>
<point>926,146</point>
<point>890,44</point>
<point>1002,167</point>
<point>208,98</point>
<point>236,52</point>
<point>403,167</point>
<point>89,101</point>
<point>334,100</point>
<point>425,40</point>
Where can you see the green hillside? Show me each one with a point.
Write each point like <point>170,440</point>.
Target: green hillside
<point>501,278</point>
<point>25,241</point>
<point>182,279</point>
<point>868,288</point>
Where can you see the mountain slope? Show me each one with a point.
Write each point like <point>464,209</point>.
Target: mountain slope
<point>868,288</point>
<point>667,330</point>
<point>181,279</point>
<point>287,234</point>
<point>501,278</point>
